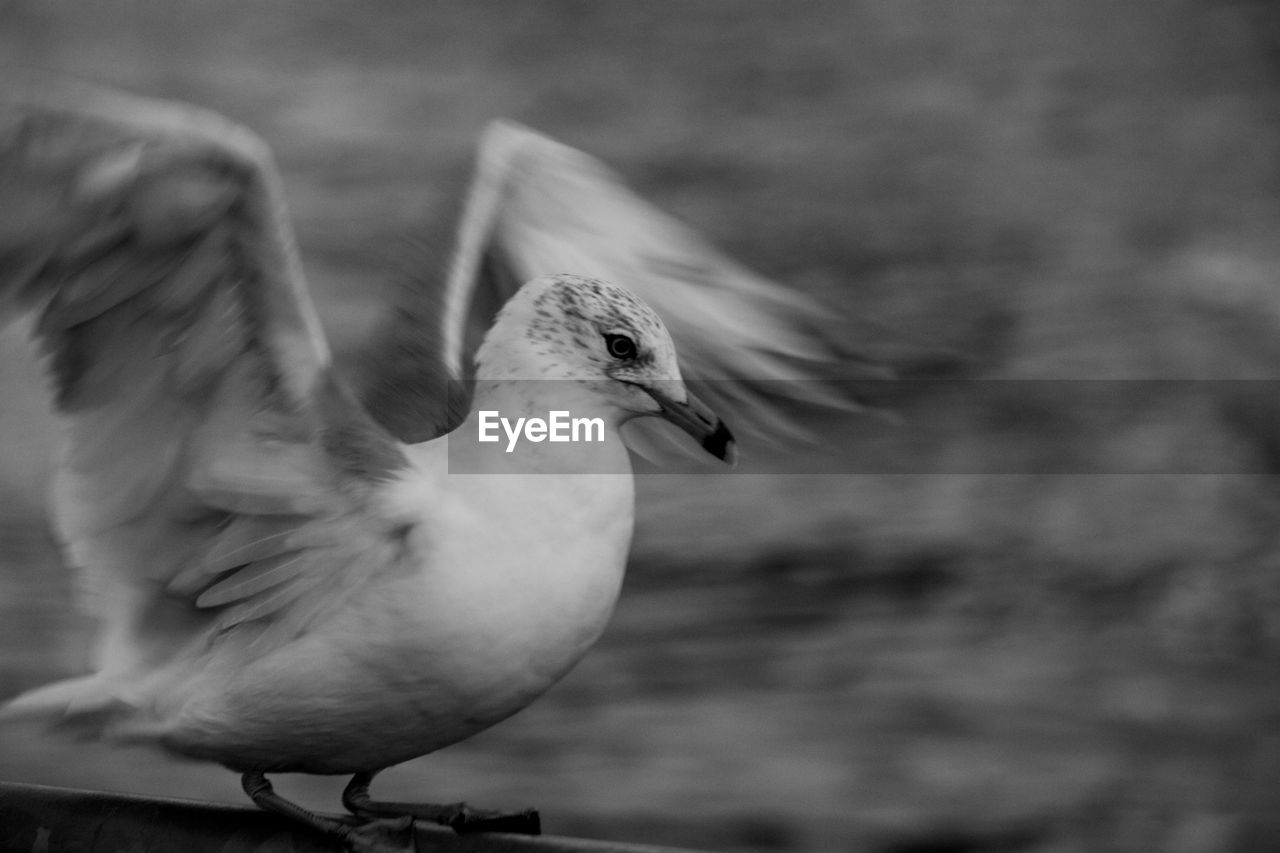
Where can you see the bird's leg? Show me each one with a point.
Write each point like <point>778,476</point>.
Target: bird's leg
<point>264,796</point>
<point>371,836</point>
<point>458,816</point>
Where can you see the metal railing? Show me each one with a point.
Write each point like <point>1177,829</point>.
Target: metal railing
<point>39,819</point>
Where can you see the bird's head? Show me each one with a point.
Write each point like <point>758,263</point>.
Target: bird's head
<point>604,341</point>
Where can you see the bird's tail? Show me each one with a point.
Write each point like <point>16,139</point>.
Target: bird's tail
<point>87,706</point>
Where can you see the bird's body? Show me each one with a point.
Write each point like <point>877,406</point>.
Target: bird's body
<point>284,584</point>
<point>414,662</point>
<point>427,655</point>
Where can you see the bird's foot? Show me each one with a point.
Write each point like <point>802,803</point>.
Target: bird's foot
<point>372,835</point>
<point>380,835</point>
<point>459,817</point>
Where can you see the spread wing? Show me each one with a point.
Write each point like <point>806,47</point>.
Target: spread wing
<point>213,473</point>
<point>537,206</point>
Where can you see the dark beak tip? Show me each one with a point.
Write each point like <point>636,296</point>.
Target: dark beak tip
<point>695,418</point>
<point>721,445</point>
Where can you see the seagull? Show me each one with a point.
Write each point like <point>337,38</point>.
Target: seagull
<point>288,580</point>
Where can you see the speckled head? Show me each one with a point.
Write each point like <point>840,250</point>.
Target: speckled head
<point>604,338</point>
<point>557,327</point>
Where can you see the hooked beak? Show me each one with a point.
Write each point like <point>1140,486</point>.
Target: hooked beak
<point>696,418</point>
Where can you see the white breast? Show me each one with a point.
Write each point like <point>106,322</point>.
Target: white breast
<point>522,571</point>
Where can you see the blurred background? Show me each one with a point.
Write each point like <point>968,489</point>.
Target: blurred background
<point>986,653</point>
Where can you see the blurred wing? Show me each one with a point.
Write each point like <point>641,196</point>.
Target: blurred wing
<point>752,347</point>
<point>212,473</point>
<point>403,376</point>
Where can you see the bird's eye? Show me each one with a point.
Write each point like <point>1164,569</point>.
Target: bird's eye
<point>620,346</point>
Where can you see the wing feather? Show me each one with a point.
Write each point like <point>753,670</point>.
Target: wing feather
<point>205,439</point>
<point>247,539</point>
<point>254,578</point>
<point>204,342</point>
<point>560,205</point>
<point>270,602</point>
